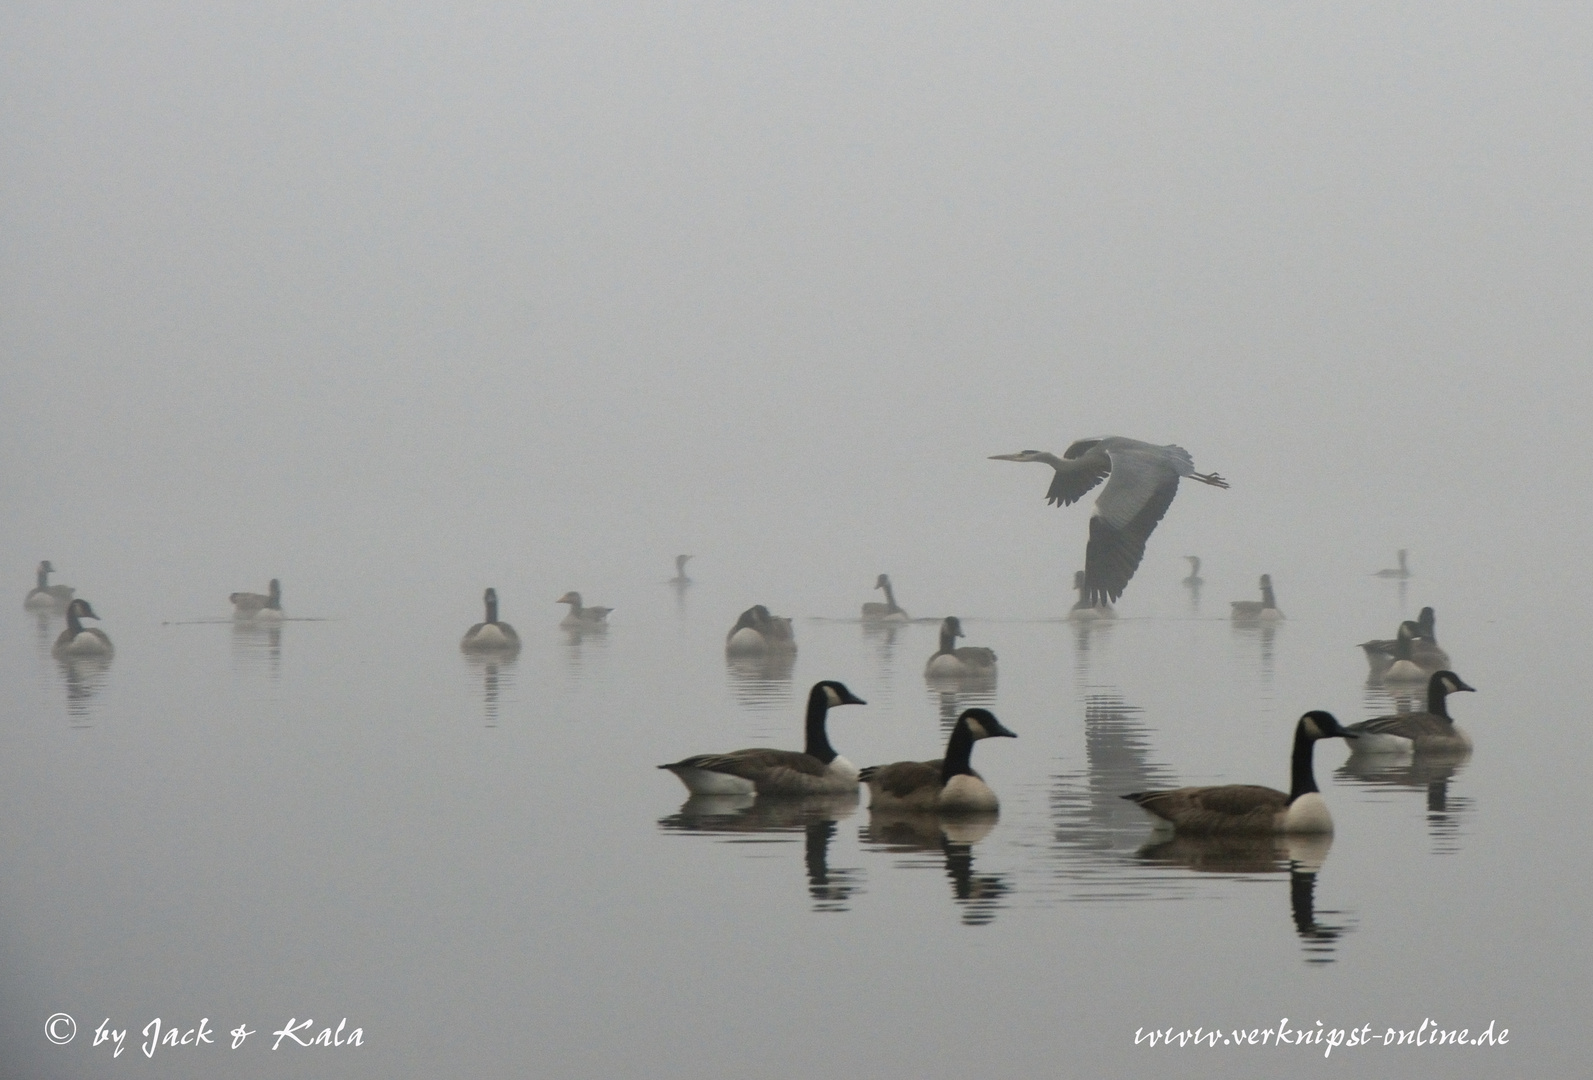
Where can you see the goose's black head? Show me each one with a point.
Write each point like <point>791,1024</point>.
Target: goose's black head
<point>45,567</point>
<point>953,626</point>
<point>829,693</point>
<point>490,596</point>
<point>1426,621</point>
<point>1447,682</point>
<point>882,581</point>
<point>1319,724</point>
<point>982,724</point>
<point>81,609</point>
<point>1266,581</point>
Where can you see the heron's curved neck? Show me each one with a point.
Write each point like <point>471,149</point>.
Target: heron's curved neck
<point>959,753</point>
<point>1303,781</point>
<point>818,740</point>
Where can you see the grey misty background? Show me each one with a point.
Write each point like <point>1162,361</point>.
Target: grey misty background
<point>397,301</point>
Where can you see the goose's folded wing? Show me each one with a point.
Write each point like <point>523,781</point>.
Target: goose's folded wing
<point>756,764</point>
<point>903,778</point>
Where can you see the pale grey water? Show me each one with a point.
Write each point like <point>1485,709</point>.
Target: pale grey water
<point>479,865</point>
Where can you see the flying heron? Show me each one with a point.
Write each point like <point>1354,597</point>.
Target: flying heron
<point>1144,479</point>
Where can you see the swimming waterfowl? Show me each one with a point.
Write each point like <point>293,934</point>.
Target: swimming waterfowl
<point>888,611</point>
<point>1250,808</point>
<point>758,633</point>
<point>1402,571</point>
<point>816,770</point>
<point>260,607</point>
<point>1144,479</point>
<point>1403,733</point>
<point>1263,610</point>
<point>951,661</point>
<point>44,596</point>
<point>1194,580</point>
<point>1412,655</point>
<point>490,635</point>
<point>79,640</point>
<point>680,577</point>
<point>1083,610</point>
<point>582,618</point>
<point>946,786</point>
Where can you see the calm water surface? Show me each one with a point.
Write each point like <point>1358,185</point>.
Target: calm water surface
<point>478,865</point>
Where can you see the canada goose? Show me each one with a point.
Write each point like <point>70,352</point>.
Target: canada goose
<point>252,605</point>
<point>947,786</point>
<point>1250,808</point>
<point>1144,479</point>
<point>1194,580</point>
<point>1083,610</point>
<point>1406,732</point>
<point>1413,657</point>
<point>1263,610</point>
<point>44,596</point>
<point>79,640</point>
<point>951,661</point>
<point>758,633</point>
<point>582,618</point>
<point>817,770</point>
<point>888,611</point>
<point>1402,571</point>
<point>491,635</point>
<point>680,577</point>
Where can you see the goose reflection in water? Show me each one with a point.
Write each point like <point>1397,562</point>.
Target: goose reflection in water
<point>257,644</point>
<point>761,682</point>
<point>1429,773</point>
<point>497,677</point>
<point>1244,856</point>
<point>747,819</point>
<point>963,694</point>
<point>85,678</point>
<point>980,896</point>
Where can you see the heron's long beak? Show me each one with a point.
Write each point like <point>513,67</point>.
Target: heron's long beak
<point>1007,457</point>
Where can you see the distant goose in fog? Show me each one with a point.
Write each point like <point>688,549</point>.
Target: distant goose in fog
<point>946,786</point>
<point>491,635</point>
<point>258,607</point>
<point>1401,571</point>
<point>78,640</point>
<point>888,611</point>
<point>1263,610</point>
<point>1144,479</point>
<point>816,770</point>
<point>1412,655</point>
<point>758,633</point>
<point>1194,580</point>
<point>44,596</point>
<point>1250,808</point>
<point>1433,730</point>
<point>951,661</point>
<point>582,618</point>
<point>680,577</point>
<point>1415,657</point>
<point>1083,610</point>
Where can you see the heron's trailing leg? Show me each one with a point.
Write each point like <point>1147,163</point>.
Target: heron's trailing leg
<point>1209,478</point>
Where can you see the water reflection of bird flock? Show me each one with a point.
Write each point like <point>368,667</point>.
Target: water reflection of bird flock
<point>921,814</point>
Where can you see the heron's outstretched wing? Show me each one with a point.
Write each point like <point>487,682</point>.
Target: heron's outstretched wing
<point>1083,466</point>
<point>1144,481</point>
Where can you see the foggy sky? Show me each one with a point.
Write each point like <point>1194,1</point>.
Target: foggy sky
<point>415,299</point>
